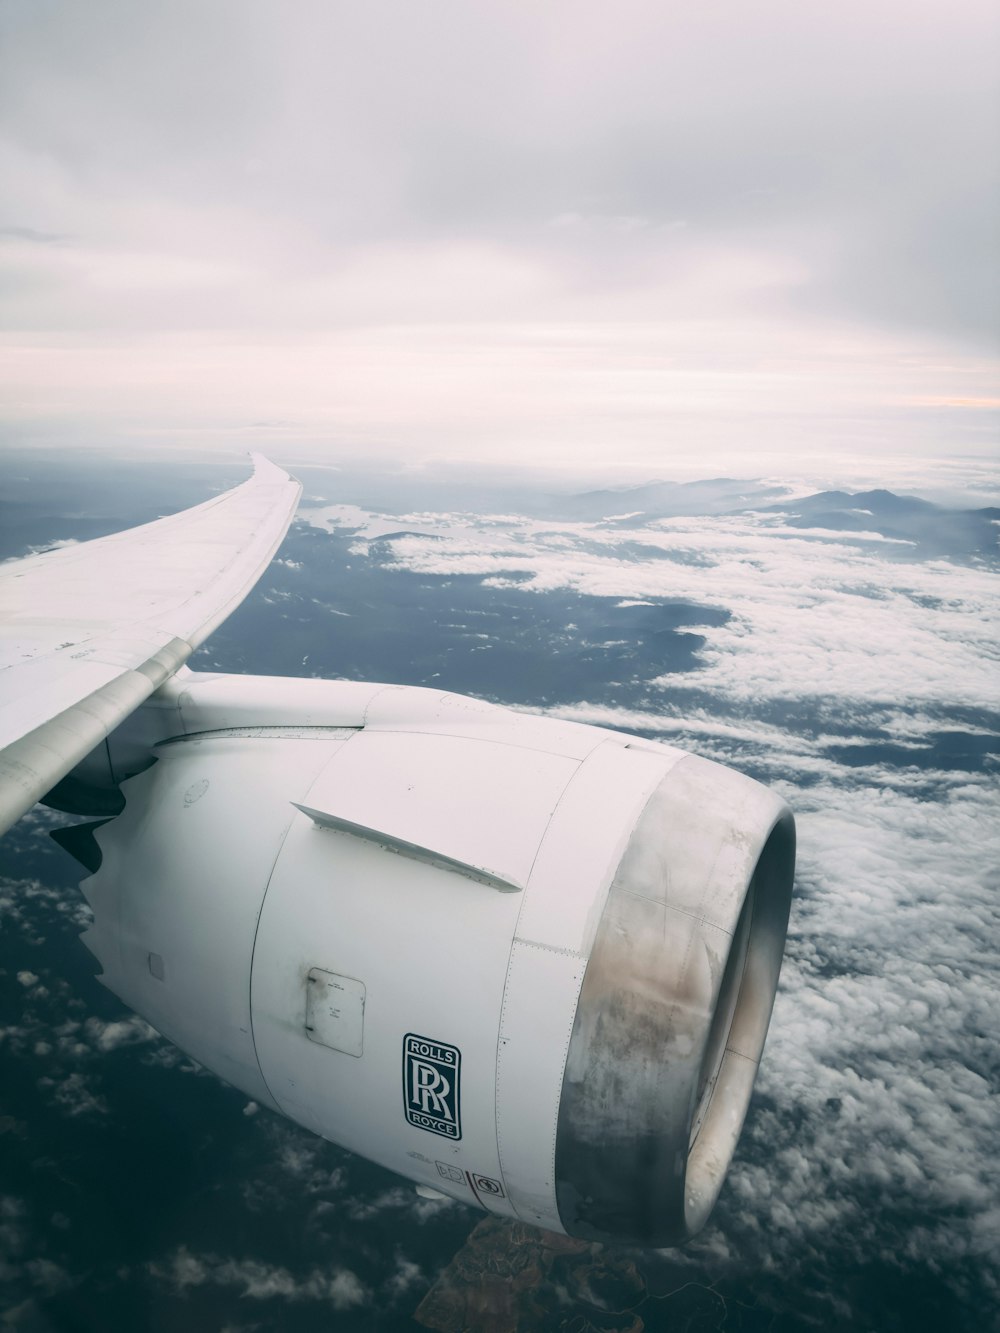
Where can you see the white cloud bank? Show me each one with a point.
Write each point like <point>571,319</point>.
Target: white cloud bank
<point>809,618</point>
<point>880,1133</point>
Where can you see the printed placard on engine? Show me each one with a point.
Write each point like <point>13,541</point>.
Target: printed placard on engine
<point>431,1073</point>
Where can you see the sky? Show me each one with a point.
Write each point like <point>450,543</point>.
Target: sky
<point>644,237</point>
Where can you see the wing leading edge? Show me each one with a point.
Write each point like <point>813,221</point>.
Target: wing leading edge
<point>88,632</point>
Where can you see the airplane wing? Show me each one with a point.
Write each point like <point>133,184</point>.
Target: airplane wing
<point>89,631</point>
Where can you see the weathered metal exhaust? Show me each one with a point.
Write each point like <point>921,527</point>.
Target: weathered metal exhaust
<point>674,1009</point>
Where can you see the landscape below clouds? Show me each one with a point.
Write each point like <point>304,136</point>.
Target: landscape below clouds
<point>841,646</point>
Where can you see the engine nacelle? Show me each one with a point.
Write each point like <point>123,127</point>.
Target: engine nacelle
<point>523,962</point>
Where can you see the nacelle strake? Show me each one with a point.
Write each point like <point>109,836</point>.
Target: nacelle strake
<point>526,963</point>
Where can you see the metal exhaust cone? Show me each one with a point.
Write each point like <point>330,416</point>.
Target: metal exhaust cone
<point>674,1009</point>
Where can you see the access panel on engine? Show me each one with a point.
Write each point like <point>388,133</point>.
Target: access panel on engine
<point>335,1011</point>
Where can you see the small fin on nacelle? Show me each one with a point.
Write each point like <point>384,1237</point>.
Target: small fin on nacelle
<point>413,850</point>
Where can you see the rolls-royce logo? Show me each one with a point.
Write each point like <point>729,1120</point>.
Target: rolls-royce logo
<point>431,1071</point>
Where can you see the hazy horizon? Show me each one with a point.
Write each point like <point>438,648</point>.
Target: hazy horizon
<point>659,239</point>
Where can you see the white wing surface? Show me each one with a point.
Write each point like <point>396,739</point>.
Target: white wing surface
<point>88,632</point>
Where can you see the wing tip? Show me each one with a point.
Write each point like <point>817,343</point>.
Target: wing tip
<point>265,470</point>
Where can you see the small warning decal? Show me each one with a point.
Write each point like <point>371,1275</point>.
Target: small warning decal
<point>487,1185</point>
<point>431,1072</point>
<point>450,1172</point>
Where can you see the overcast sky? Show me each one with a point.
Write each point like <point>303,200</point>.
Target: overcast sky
<point>563,232</point>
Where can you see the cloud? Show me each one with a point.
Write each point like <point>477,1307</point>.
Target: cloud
<point>338,517</point>
<point>75,1094</point>
<point>875,1136</point>
<point>40,549</point>
<point>535,233</point>
<point>401,1199</point>
<point>407,1276</point>
<point>254,1280</point>
<point>131,1031</point>
<point>30,906</point>
<point>810,619</point>
<point>48,1276</point>
<point>23,1265</point>
<point>319,129</point>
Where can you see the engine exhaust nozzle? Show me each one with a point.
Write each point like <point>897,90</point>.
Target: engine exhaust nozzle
<point>674,1009</point>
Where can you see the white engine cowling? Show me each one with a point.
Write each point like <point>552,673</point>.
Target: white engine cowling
<point>523,962</point>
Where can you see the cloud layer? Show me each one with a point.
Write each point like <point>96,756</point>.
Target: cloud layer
<point>857,678</point>
<point>814,614</point>
<point>501,229</point>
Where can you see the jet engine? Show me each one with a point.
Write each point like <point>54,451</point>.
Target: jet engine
<point>526,963</point>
